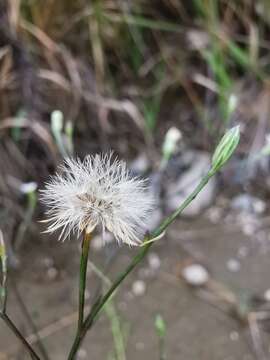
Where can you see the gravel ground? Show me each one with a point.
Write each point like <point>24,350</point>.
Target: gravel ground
<point>197,328</point>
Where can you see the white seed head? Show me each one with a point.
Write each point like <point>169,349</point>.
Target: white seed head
<point>97,191</point>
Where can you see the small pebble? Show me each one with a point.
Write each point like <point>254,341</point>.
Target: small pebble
<point>47,262</point>
<point>138,288</point>
<point>233,265</point>
<point>249,229</point>
<point>154,261</point>
<point>259,206</point>
<point>139,345</point>
<point>234,336</point>
<point>267,295</point>
<point>52,273</point>
<point>195,275</point>
<point>248,204</point>
<point>82,354</point>
<point>214,214</point>
<point>243,252</point>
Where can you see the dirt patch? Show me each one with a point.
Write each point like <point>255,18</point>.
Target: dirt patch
<point>195,328</point>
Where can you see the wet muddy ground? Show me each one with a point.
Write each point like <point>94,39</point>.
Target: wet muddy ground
<point>198,326</point>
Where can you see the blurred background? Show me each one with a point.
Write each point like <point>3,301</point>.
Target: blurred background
<point>80,77</point>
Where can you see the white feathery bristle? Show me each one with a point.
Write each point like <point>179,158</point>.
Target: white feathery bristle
<point>97,191</point>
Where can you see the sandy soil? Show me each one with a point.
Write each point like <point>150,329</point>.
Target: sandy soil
<point>196,330</point>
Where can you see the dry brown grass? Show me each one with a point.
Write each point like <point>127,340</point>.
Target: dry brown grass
<point>122,73</point>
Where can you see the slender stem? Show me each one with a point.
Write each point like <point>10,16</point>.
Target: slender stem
<point>75,346</point>
<point>83,269</point>
<point>16,331</point>
<point>3,289</point>
<point>162,354</point>
<point>182,207</point>
<point>96,309</point>
<point>101,302</point>
<point>28,317</point>
<point>98,306</point>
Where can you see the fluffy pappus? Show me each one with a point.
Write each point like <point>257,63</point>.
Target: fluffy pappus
<point>97,191</point>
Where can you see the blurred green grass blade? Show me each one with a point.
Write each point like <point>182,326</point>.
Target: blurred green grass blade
<point>160,326</point>
<point>118,338</point>
<point>219,69</point>
<point>239,55</point>
<point>17,130</point>
<point>151,109</point>
<point>141,21</point>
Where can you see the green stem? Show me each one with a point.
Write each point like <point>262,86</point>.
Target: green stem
<point>39,344</point>
<point>98,306</point>
<point>75,346</point>
<point>16,331</point>
<point>116,330</point>
<point>162,348</point>
<point>182,207</point>
<point>83,270</point>
<point>101,302</point>
<point>3,294</point>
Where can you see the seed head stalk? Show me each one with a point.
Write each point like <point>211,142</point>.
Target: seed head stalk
<point>126,197</point>
<point>83,272</point>
<point>98,306</point>
<point>87,236</point>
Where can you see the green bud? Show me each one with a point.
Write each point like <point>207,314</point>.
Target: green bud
<point>160,326</point>
<point>57,120</point>
<point>69,129</point>
<point>232,103</point>
<point>2,292</point>
<point>69,136</point>
<point>172,137</point>
<point>57,125</point>
<point>225,148</point>
<point>265,151</point>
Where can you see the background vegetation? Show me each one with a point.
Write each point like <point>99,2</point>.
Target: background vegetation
<point>82,76</point>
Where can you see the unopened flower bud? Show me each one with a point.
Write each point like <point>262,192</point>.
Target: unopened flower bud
<point>225,148</point>
<point>172,137</point>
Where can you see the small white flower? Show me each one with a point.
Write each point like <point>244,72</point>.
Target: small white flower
<point>97,191</point>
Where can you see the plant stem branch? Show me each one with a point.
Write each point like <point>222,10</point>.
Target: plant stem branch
<point>18,334</point>
<point>83,270</point>
<point>40,346</point>
<point>184,204</point>
<point>99,304</point>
